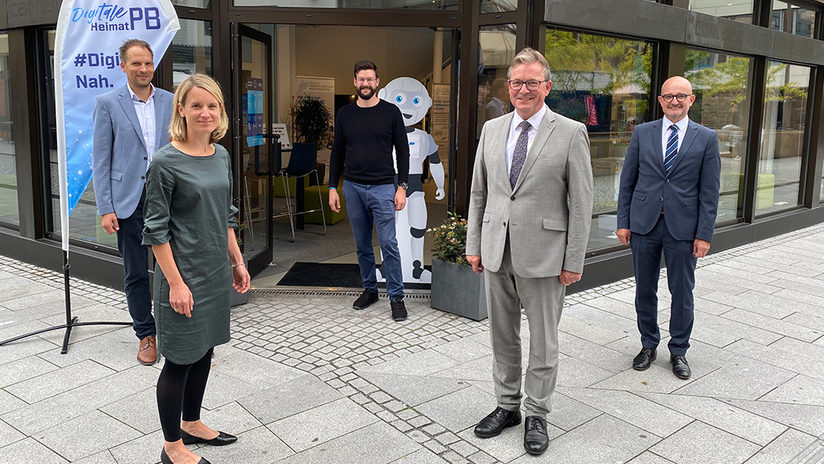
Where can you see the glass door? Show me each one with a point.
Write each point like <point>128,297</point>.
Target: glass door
<point>255,156</point>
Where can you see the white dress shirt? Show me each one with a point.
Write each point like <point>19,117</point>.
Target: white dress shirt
<point>665,133</point>
<point>146,116</point>
<point>514,132</point>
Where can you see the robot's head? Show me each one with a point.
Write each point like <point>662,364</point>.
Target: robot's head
<point>410,96</point>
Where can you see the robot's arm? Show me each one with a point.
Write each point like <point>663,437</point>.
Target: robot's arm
<point>436,168</point>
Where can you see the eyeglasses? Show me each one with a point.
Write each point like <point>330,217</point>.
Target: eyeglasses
<point>368,80</point>
<point>530,85</point>
<point>680,97</point>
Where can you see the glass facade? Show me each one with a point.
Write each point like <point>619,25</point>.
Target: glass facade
<point>366,4</point>
<point>191,50</point>
<point>9,213</point>
<point>497,48</point>
<point>792,18</point>
<point>782,137</point>
<point>721,84</point>
<point>736,10</point>
<point>605,74</point>
<point>603,82</point>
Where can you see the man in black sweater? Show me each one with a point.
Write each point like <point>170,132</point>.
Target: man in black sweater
<point>365,133</point>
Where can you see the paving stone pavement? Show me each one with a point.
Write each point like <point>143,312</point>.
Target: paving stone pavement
<point>308,379</point>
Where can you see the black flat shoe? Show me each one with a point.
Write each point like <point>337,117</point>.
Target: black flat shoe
<point>643,359</point>
<point>493,424</point>
<point>680,367</point>
<point>165,459</point>
<point>536,439</point>
<point>220,440</point>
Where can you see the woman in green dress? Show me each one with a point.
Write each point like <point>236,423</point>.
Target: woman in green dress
<point>189,222</point>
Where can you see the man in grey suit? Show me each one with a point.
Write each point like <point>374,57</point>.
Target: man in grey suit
<point>529,217</point>
<point>667,204</point>
<point>130,124</point>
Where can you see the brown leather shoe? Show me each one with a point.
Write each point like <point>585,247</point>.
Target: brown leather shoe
<point>147,353</point>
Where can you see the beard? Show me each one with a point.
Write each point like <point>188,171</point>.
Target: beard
<point>365,92</point>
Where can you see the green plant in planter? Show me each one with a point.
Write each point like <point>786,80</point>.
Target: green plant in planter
<point>311,120</point>
<point>449,240</point>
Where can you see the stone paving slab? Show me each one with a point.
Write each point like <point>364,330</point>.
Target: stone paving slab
<point>700,443</point>
<point>306,379</point>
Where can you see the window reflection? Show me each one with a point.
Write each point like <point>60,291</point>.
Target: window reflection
<point>191,50</point>
<point>8,170</point>
<point>792,18</point>
<point>366,4</point>
<point>603,82</point>
<point>721,85</point>
<point>192,3</point>
<point>782,137</point>
<point>497,49</point>
<point>736,10</point>
<point>497,6</point>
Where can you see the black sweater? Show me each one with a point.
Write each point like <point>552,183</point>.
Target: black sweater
<point>363,145</point>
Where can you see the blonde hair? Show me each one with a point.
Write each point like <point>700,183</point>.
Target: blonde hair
<point>529,56</point>
<point>177,126</point>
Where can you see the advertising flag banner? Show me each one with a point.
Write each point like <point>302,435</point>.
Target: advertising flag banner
<point>87,64</point>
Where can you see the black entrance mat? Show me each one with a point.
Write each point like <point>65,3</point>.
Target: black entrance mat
<point>329,275</point>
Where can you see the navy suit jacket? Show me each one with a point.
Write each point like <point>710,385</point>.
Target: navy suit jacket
<point>119,152</point>
<point>688,194</point>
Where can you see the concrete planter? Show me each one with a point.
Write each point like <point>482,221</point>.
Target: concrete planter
<point>458,290</point>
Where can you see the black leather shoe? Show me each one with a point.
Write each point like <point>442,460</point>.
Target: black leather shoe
<point>680,367</point>
<point>220,440</point>
<point>398,310</point>
<point>643,360</point>
<point>165,459</point>
<point>495,423</point>
<point>365,299</point>
<point>535,437</point>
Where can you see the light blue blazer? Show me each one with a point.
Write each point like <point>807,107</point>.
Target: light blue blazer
<point>119,152</point>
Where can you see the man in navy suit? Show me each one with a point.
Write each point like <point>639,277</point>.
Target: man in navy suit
<point>130,124</point>
<point>667,203</point>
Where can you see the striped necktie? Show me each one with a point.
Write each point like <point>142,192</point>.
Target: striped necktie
<point>519,154</point>
<point>672,148</point>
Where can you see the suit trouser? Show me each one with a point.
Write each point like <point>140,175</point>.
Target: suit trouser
<point>646,259</point>
<point>542,299</point>
<point>136,271</point>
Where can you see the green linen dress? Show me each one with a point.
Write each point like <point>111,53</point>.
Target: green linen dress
<point>189,204</point>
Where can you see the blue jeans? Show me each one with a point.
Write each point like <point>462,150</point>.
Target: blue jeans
<point>366,204</point>
<point>136,270</point>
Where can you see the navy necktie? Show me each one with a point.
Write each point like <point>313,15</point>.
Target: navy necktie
<point>672,148</point>
<point>519,154</point>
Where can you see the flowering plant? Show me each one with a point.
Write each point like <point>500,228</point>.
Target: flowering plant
<point>449,240</point>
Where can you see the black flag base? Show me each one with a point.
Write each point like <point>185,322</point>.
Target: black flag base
<point>71,322</point>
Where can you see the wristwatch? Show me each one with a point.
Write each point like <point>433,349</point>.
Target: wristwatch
<point>403,185</point>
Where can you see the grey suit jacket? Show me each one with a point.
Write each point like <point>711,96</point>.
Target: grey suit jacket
<point>548,213</point>
<point>119,152</point>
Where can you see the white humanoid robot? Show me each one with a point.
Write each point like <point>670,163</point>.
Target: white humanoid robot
<point>410,223</point>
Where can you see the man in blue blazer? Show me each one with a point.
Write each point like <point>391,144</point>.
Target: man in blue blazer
<point>667,203</point>
<point>130,124</point>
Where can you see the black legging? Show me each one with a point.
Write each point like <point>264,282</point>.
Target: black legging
<point>180,387</point>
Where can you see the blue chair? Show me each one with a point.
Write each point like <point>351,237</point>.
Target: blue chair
<point>301,164</point>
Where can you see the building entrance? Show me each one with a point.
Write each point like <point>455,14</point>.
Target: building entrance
<point>314,64</point>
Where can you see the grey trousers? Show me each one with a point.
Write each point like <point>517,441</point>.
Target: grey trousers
<point>542,298</point>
